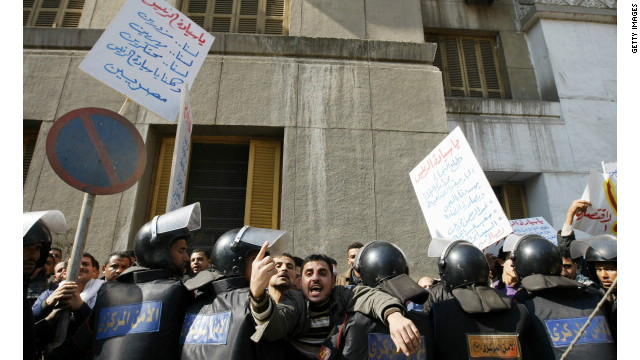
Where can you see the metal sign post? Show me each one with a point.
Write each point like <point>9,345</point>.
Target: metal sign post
<point>96,151</point>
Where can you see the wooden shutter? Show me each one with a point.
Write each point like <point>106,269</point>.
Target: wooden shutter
<point>52,13</point>
<point>263,184</point>
<point>514,200</point>
<point>29,139</point>
<point>162,177</point>
<point>469,65</point>
<point>240,16</point>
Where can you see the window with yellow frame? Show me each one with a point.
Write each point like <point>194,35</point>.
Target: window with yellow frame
<point>240,16</point>
<point>235,179</point>
<point>470,65</point>
<point>52,13</point>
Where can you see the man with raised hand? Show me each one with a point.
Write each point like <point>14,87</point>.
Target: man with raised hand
<point>307,317</point>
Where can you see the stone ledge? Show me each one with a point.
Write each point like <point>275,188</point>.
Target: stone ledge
<point>255,45</point>
<point>529,12</point>
<point>504,108</point>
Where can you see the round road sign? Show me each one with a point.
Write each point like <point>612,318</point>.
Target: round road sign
<point>96,150</point>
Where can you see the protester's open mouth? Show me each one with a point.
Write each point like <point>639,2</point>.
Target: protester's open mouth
<point>315,289</point>
<point>284,275</point>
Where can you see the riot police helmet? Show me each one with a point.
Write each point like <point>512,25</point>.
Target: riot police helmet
<point>231,250</point>
<point>37,227</point>
<point>380,260</point>
<point>461,264</point>
<point>154,239</point>
<point>533,254</point>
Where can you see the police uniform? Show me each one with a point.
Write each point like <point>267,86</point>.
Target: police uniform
<point>560,307</point>
<point>479,322</point>
<point>146,306</point>
<point>219,325</point>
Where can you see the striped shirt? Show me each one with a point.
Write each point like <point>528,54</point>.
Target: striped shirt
<point>319,330</point>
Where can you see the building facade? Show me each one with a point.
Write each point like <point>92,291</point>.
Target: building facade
<point>309,114</point>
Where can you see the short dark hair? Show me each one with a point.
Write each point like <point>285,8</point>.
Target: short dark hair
<point>333,261</point>
<point>94,262</point>
<point>565,252</point>
<point>120,254</point>
<point>288,255</point>
<point>298,260</point>
<point>355,245</point>
<point>318,257</point>
<point>206,253</point>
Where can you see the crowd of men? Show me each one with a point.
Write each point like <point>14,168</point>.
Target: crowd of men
<point>247,299</point>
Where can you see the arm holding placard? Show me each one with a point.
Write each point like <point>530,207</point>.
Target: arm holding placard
<point>566,235</point>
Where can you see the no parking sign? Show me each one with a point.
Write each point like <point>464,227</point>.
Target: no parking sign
<point>96,150</point>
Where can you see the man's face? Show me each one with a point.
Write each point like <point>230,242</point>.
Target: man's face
<point>351,256</point>
<point>179,255</point>
<point>508,268</point>
<point>48,266</point>
<point>57,255</point>
<point>60,272</point>
<point>199,262</point>
<point>285,273</point>
<point>317,281</point>
<point>87,271</point>
<point>115,267</point>
<point>569,268</point>
<point>30,255</point>
<point>297,283</point>
<point>607,271</point>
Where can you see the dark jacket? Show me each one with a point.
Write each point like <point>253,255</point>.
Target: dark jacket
<point>219,325</point>
<point>559,308</point>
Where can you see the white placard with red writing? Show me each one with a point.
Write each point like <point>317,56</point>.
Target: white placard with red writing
<point>180,161</point>
<point>148,51</point>
<point>602,216</point>
<point>455,196</point>
<point>535,225</point>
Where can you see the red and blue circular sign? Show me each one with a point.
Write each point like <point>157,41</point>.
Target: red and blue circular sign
<point>96,150</point>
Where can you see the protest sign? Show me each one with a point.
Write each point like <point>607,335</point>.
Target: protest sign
<point>147,53</point>
<point>180,161</point>
<point>455,196</point>
<point>601,217</point>
<point>535,225</point>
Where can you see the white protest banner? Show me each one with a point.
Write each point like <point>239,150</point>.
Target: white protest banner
<point>180,161</point>
<point>147,53</point>
<point>455,196</point>
<point>601,217</point>
<point>535,225</point>
<point>611,169</point>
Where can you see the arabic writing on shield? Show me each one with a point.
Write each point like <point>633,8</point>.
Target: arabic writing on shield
<point>205,329</point>
<point>455,196</point>
<point>148,51</point>
<point>126,319</point>
<point>493,346</point>
<point>563,331</point>
<point>381,347</point>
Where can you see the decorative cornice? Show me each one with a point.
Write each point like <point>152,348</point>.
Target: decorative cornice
<point>529,11</point>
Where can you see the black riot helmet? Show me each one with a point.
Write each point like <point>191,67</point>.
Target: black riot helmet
<point>533,254</point>
<point>380,260</point>
<point>596,249</point>
<point>231,250</point>
<point>154,239</point>
<point>37,227</point>
<point>462,263</point>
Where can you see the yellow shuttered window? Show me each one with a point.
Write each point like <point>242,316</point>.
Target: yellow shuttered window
<point>240,16</point>
<point>470,65</point>
<point>52,13</point>
<point>235,179</point>
<point>512,199</point>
